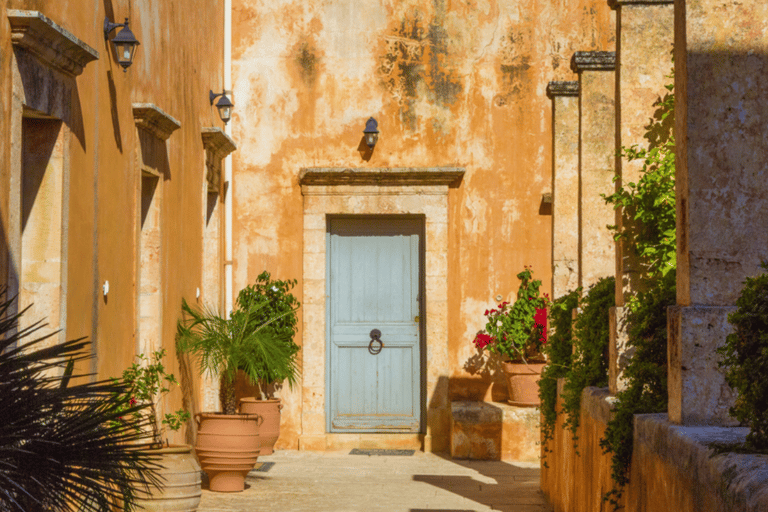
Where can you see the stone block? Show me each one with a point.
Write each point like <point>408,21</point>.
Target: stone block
<point>698,393</point>
<point>619,353</point>
<point>492,431</point>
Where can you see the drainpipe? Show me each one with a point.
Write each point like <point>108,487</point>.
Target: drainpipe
<point>228,282</point>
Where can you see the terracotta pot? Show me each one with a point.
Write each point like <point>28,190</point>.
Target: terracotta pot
<point>523,382</point>
<point>270,411</point>
<point>227,447</point>
<point>180,476</point>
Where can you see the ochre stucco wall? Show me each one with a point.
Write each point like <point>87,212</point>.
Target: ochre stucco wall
<point>451,84</point>
<point>179,60</point>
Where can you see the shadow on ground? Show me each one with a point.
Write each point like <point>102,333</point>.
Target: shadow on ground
<point>507,487</point>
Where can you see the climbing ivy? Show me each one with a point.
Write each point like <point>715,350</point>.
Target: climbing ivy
<point>648,224</point>
<point>589,363</point>
<point>559,352</point>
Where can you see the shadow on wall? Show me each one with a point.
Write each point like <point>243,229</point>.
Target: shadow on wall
<point>486,381</point>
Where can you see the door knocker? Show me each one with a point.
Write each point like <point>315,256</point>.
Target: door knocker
<point>375,337</point>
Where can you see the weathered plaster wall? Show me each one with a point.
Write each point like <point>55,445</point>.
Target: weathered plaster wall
<point>173,71</point>
<point>451,84</point>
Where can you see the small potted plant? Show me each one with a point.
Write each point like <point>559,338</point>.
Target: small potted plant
<point>146,382</point>
<point>272,300</point>
<point>228,443</point>
<point>517,332</point>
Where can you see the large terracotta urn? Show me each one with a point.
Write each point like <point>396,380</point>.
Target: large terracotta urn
<point>523,382</point>
<point>227,447</point>
<point>180,481</point>
<point>270,428</point>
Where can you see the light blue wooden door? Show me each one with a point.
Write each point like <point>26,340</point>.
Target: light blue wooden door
<point>373,283</point>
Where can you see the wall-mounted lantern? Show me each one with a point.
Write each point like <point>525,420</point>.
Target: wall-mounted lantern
<point>125,42</point>
<point>371,132</point>
<point>224,105</point>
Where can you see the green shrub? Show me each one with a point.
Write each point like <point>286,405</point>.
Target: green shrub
<point>745,360</point>
<point>589,365</point>
<point>559,352</point>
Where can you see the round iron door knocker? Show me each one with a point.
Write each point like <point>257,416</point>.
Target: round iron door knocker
<point>375,338</point>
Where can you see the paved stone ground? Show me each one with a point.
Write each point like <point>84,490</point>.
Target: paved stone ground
<point>339,482</point>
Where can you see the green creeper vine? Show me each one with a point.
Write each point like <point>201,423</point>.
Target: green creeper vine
<point>648,224</point>
<point>589,364</point>
<point>559,352</point>
<point>745,361</point>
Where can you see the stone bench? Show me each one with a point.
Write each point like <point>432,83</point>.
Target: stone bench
<point>494,431</point>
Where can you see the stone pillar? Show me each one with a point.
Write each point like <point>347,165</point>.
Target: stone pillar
<point>565,186</point>
<point>597,146</point>
<point>645,33</point>
<point>721,82</point>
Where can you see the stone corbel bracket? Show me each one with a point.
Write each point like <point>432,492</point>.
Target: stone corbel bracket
<point>53,45</point>
<point>562,89</point>
<point>218,143</point>
<point>387,176</point>
<point>593,61</point>
<point>614,4</point>
<point>152,119</point>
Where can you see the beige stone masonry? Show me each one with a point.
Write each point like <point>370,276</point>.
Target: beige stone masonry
<point>56,47</point>
<point>721,82</point>
<point>596,163</point>
<point>339,191</point>
<point>151,118</point>
<point>565,186</point>
<point>645,32</point>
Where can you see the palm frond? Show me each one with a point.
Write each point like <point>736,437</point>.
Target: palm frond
<point>63,444</point>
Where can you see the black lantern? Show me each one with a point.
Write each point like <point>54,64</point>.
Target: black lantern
<point>224,105</point>
<point>371,132</point>
<point>125,42</point>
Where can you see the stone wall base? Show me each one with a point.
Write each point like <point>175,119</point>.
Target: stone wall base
<point>494,431</point>
<point>672,466</point>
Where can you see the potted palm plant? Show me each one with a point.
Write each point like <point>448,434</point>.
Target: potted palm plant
<point>517,332</point>
<point>228,443</point>
<point>146,382</point>
<point>276,308</point>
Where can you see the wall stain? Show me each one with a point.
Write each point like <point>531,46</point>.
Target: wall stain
<point>307,60</point>
<point>415,67</point>
<point>514,67</point>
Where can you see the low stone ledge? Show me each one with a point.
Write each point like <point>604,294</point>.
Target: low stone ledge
<point>726,482</point>
<point>494,431</point>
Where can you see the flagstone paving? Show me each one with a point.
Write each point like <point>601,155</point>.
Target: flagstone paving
<point>339,482</point>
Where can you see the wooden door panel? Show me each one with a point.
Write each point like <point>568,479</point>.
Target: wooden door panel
<point>374,284</point>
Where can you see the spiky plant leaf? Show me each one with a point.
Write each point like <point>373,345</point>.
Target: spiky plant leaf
<point>63,445</point>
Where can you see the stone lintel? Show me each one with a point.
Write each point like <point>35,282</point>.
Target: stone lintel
<point>593,61</point>
<point>562,89</point>
<point>615,4</point>
<point>152,119</point>
<point>52,44</point>
<point>398,176</point>
<point>217,142</point>
<point>698,393</point>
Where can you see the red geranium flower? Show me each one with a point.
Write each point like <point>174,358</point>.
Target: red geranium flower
<point>482,340</point>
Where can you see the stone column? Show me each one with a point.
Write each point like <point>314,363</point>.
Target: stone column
<point>565,186</point>
<point>597,146</point>
<point>721,80</point>
<point>645,33</point>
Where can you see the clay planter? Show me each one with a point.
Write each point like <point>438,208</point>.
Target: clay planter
<point>270,411</point>
<point>523,382</point>
<point>227,447</point>
<point>180,481</point>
